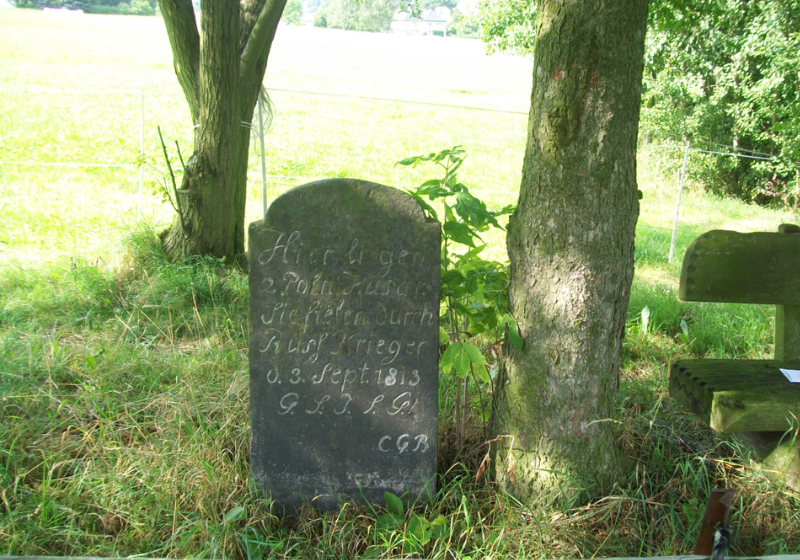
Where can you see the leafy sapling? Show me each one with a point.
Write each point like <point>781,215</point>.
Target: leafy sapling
<point>474,291</point>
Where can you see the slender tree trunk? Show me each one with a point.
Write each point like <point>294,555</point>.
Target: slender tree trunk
<point>570,243</point>
<point>221,78</point>
<point>212,201</point>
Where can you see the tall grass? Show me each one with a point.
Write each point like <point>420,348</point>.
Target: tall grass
<point>124,427</point>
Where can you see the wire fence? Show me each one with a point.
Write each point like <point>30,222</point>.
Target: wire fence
<point>279,183</point>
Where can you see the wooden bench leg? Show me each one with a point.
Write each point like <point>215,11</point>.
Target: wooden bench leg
<point>779,453</point>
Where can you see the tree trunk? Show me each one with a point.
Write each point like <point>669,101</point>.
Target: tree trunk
<point>212,201</point>
<point>571,243</point>
<point>221,77</point>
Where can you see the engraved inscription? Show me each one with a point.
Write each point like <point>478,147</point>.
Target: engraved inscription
<point>404,443</point>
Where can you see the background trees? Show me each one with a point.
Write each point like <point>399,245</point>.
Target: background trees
<point>132,7</point>
<point>293,12</point>
<point>506,25</point>
<point>725,74</point>
<point>362,15</point>
<point>722,73</point>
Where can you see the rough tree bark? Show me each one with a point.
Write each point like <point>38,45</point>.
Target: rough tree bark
<point>570,243</point>
<point>221,77</point>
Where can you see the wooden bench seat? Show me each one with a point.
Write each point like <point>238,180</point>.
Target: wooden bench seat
<point>747,396</point>
<point>735,396</point>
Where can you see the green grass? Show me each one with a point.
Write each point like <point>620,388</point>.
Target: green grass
<point>124,426</point>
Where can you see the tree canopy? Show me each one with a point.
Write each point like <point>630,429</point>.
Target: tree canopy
<point>722,73</point>
<point>293,12</point>
<point>132,7</point>
<point>725,75</point>
<point>357,15</point>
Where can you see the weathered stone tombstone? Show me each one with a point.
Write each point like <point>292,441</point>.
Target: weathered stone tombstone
<point>344,315</point>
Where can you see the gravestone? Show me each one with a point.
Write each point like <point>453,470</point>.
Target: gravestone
<point>344,315</point>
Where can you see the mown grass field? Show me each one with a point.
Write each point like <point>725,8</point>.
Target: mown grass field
<point>123,377</point>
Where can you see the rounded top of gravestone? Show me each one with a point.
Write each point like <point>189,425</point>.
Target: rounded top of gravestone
<point>329,199</point>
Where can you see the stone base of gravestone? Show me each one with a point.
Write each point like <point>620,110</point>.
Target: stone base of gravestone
<point>344,316</point>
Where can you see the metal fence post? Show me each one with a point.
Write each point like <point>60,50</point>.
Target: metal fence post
<point>141,159</point>
<point>678,206</point>
<point>260,104</point>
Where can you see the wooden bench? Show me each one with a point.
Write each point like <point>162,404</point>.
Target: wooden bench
<point>747,396</point>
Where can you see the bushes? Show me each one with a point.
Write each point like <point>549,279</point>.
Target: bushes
<point>133,8</point>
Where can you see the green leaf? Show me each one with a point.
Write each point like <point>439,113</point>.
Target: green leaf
<point>513,330</point>
<point>439,527</point>
<point>388,522</point>
<point>482,373</point>
<point>409,161</point>
<point>444,338</point>
<point>448,214</point>
<point>234,514</point>
<point>509,209</point>
<point>438,192</point>
<point>208,468</point>
<point>420,528</point>
<point>453,278</point>
<point>459,232</point>
<point>393,504</point>
<point>449,356</point>
<point>430,183</point>
<point>462,364</point>
<point>427,208</point>
<point>434,185</point>
<point>473,211</point>
<point>474,353</point>
<point>472,254</point>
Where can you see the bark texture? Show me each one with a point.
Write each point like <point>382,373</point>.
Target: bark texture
<point>221,76</point>
<point>571,244</point>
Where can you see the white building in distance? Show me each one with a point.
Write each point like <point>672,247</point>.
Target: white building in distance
<point>428,22</point>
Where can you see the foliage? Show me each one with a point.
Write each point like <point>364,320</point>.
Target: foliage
<point>433,4</point>
<point>725,75</point>
<point>505,25</point>
<point>397,524</point>
<point>293,12</point>
<point>416,7</point>
<point>123,7</point>
<point>462,25</point>
<point>474,291</point>
<point>721,73</point>
<point>357,15</point>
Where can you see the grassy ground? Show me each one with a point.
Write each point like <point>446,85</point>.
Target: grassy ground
<point>123,378</point>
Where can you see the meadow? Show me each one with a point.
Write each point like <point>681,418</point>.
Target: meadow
<point>123,377</point>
